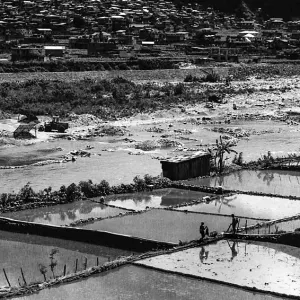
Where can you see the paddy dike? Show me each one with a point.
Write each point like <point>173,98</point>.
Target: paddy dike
<point>33,253</point>
<point>135,283</point>
<point>255,266</point>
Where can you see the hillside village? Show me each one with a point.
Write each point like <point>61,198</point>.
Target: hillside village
<point>45,29</point>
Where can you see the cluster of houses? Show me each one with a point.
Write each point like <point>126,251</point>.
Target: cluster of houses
<point>49,28</point>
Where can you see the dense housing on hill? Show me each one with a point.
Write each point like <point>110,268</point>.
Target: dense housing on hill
<point>127,29</point>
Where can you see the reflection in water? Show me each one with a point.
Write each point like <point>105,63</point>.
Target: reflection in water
<point>65,213</point>
<point>267,181</point>
<point>203,255</point>
<point>159,198</point>
<point>266,177</point>
<point>234,252</point>
<point>225,201</point>
<point>268,267</point>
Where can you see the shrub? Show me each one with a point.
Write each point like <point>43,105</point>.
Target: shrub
<point>140,183</point>
<point>191,78</point>
<point>88,188</point>
<point>212,77</point>
<point>103,188</point>
<point>73,192</point>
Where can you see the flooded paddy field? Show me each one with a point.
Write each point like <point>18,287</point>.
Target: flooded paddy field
<point>249,206</point>
<point>64,214</point>
<point>158,198</point>
<point>31,253</point>
<point>135,283</point>
<point>286,226</point>
<point>266,267</point>
<point>163,225</point>
<point>279,182</point>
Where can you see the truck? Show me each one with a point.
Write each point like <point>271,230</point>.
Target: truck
<point>56,125</point>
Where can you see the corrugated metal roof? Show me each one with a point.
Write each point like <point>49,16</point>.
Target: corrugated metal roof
<point>182,158</point>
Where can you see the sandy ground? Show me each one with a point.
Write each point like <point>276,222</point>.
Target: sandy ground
<point>260,98</point>
<point>247,264</point>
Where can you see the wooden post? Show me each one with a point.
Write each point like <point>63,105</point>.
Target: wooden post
<point>258,230</point>
<point>23,277</point>
<point>269,228</point>
<point>85,263</point>
<point>76,264</point>
<point>246,226</point>
<point>65,269</point>
<point>6,277</point>
<point>97,261</point>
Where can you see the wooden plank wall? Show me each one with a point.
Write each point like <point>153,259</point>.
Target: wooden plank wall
<point>195,167</point>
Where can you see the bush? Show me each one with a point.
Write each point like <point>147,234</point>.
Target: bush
<point>103,188</point>
<point>191,78</point>
<point>88,188</point>
<point>140,183</point>
<point>212,77</point>
<point>73,193</point>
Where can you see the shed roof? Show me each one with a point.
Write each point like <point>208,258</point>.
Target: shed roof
<point>182,158</point>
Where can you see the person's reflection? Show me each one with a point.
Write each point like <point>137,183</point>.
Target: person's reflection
<point>203,254</point>
<point>234,252</point>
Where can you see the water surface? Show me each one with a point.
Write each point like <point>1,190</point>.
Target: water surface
<point>136,283</point>
<point>30,252</point>
<point>248,206</point>
<point>64,214</point>
<point>265,266</point>
<point>277,182</point>
<point>157,198</point>
<point>287,226</point>
<point>164,225</point>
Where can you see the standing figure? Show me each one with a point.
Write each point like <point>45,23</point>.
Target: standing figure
<point>203,230</point>
<point>234,223</point>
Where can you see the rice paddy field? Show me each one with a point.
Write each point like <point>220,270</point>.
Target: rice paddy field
<point>281,226</point>
<point>135,283</point>
<point>279,182</point>
<point>64,214</point>
<point>164,225</point>
<point>241,263</point>
<point>35,253</point>
<point>154,199</point>
<point>249,206</point>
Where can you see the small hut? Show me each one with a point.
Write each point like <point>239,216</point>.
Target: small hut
<point>23,131</point>
<point>188,166</point>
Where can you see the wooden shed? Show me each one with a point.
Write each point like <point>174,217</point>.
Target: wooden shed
<point>23,131</point>
<point>184,167</point>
